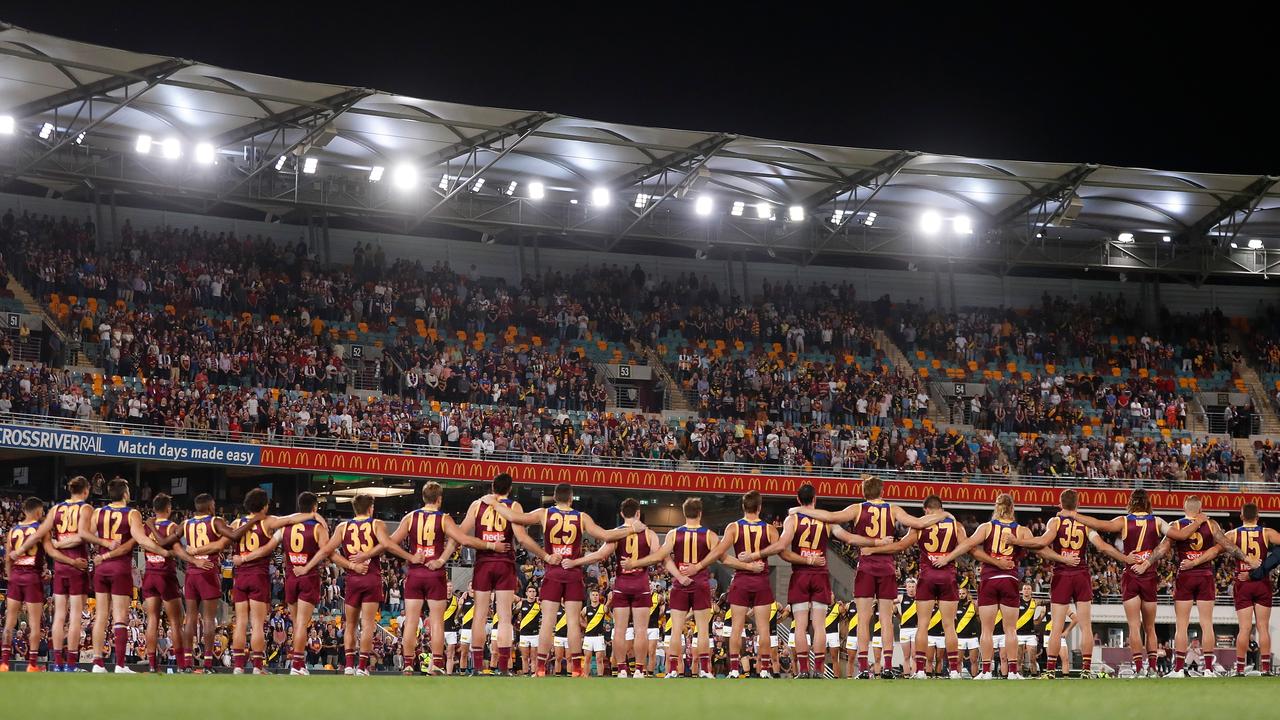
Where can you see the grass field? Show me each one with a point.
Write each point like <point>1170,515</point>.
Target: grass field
<point>319,697</point>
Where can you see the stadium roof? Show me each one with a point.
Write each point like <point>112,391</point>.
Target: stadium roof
<point>78,112</point>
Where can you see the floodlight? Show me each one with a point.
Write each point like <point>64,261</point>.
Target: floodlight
<point>703,205</point>
<point>204,153</point>
<point>930,222</point>
<point>171,148</point>
<point>600,197</point>
<point>1255,244</point>
<point>310,164</point>
<point>375,174</point>
<point>796,213</point>
<point>511,189</point>
<point>6,124</point>
<point>641,201</point>
<point>405,176</point>
<point>46,131</point>
<point>1125,237</point>
<point>737,208</point>
<point>871,219</point>
<point>537,191</point>
<point>143,145</point>
<point>1166,238</point>
<point>764,210</point>
<point>962,225</point>
<point>479,183</point>
<point>280,161</point>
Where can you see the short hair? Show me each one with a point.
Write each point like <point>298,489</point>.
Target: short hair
<point>1249,512</point>
<point>204,502</point>
<point>362,503</point>
<point>32,504</point>
<point>502,483</point>
<point>161,502</point>
<point>630,508</point>
<point>77,485</point>
<point>1192,500</point>
<point>307,501</point>
<point>1069,499</point>
<point>692,507</point>
<point>256,500</point>
<point>432,492</point>
<point>751,502</point>
<point>117,488</point>
<point>872,487</point>
<point>806,494</point>
<point>933,502</point>
<point>563,493</point>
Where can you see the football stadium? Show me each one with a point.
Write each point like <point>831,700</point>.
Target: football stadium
<point>416,403</point>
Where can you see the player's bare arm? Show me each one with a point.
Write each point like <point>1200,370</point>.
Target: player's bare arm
<point>657,556</point>
<point>1228,545</point>
<point>630,527</point>
<point>849,514</point>
<point>181,553</point>
<point>139,532</point>
<point>43,531</point>
<point>275,522</point>
<point>782,543</point>
<point>1114,525</point>
<point>896,546</point>
<point>514,514</point>
<point>458,536</point>
<point>52,551</point>
<point>966,547</point>
<point>223,528</point>
<point>1182,533</point>
<point>1044,539</point>
<point>907,520</point>
<point>604,553</point>
<point>860,541</point>
<point>395,548</point>
<point>1208,556</point>
<point>264,550</point>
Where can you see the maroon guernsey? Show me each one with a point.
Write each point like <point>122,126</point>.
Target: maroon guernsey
<point>358,537</point>
<point>426,539</point>
<point>1193,547</point>
<point>630,587</point>
<point>25,584</point>
<point>1071,541</point>
<point>875,521</point>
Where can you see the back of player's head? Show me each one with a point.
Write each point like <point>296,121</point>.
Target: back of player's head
<point>362,503</point>
<point>78,485</point>
<point>32,504</point>
<point>307,502</point>
<point>256,500</point>
<point>630,508</point>
<point>501,484</point>
<point>204,503</point>
<point>161,502</point>
<point>806,494</point>
<point>1192,504</point>
<point>933,502</point>
<point>432,492</point>
<point>1004,507</point>
<point>751,502</point>
<point>564,493</point>
<point>1249,512</point>
<point>117,489</point>
<point>872,487</point>
<point>1069,500</point>
<point>692,508</point>
<point>1139,501</point>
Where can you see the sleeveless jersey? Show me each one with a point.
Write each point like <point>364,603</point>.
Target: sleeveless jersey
<point>935,628</point>
<point>1252,541</point>
<point>967,624</point>
<point>907,611</point>
<point>358,537</point>
<point>631,547</point>
<point>426,534</point>
<point>562,533</point>
<point>938,541</point>
<point>159,563</point>
<point>492,527</point>
<point>752,537</point>
<point>31,563</point>
<point>832,621</point>
<point>250,542</point>
<point>111,522</point>
<point>1070,541</point>
<point>527,619</point>
<point>466,609</point>
<point>810,541</point>
<point>1026,616</point>
<point>1140,535</point>
<point>562,623</point>
<point>199,531</point>
<point>876,522</point>
<point>692,544</point>
<point>999,545</point>
<point>594,626</point>
<point>1193,547</point>
<point>66,524</point>
<point>451,615</point>
<point>301,544</point>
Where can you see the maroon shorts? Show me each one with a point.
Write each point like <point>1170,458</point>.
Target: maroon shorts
<point>1141,586</point>
<point>631,590</point>
<point>809,586</point>
<point>1065,589</point>
<point>69,581</point>
<point>939,585</point>
<point>114,579</point>
<point>202,586</point>
<point>694,596</point>
<point>301,589</point>
<point>161,585</point>
<point>751,590</point>
<point>560,585</point>
<point>881,587</point>
<point>423,584</point>
<point>26,588</point>
<point>251,586</point>
<point>998,591</point>
<point>1252,592</point>
<point>491,575</point>
<point>362,589</point>
<point>1194,586</point>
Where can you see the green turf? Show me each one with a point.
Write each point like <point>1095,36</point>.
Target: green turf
<point>319,697</point>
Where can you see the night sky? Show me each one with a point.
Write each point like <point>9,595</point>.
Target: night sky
<point>1172,91</point>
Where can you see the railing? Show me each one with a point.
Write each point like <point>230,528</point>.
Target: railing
<point>354,445</point>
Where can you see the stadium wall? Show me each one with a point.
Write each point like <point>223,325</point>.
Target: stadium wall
<point>934,289</point>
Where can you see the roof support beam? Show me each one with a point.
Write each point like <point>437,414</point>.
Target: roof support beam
<point>291,117</point>
<point>1063,186</point>
<point>72,133</point>
<point>1245,199</point>
<point>104,86</point>
<point>486,138</point>
<point>890,165</point>
<point>891,171</point>
<point>463,184</point>
<point>690,175</point>
<point>712,145</point>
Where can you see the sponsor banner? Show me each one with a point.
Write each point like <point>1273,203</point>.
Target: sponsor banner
<point>692,482</point>
<point>135,447</point>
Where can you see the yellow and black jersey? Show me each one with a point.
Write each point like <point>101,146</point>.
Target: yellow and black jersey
<point>907,611</point>
<point>527,620</point>
<point>967,624</point>
<point>594,626</point>
<point>832,622</point>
